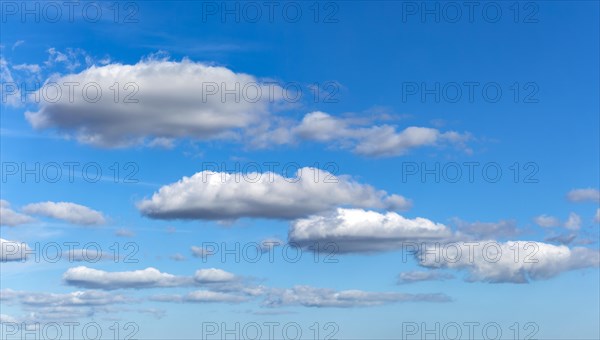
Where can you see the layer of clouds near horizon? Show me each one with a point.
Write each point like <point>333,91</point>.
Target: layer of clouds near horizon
<point>211,195</point>
<point>219,288</point>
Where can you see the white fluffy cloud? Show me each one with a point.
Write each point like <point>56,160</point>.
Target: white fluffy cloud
<point>9,217</point>
<point>357,230</point>
<point>213,275</point>
<point>375,140</point>
<point>597,216</point>
<point>223,196</point>
<point>174,100</point>
<point>582,195</point>
<point>322,297</point>
<point>98,279</point>
<point>13,250</point>
<point>66,211</point>
<point>491,261</point>
<point>159,101</point>
<point>148,278</point>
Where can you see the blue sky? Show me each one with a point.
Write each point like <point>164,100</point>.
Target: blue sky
<point>169,146</point>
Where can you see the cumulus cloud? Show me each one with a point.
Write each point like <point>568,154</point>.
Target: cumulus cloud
<point>223,196</point>
<point>546,221</point>
<point>419,276</point>
<point>597,217</point>
<point>375,140</point>
<point>98,279</point>
<point>13,251</point>
<point>213,275</point>
<point>160,100</point>
<point>583,195</point>
<point>358,230</point>
<point>66,211</point>
<point>322,297</point>
<point>149,278</point>
<point>9,217</point>
<point>512,261</point>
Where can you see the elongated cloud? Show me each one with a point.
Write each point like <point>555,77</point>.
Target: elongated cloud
<point>98,279</point>
<point>484,230</point>
<point>159,100</point>
<point>583,195</point>
<point>11,218</point>
<point>202,296</point>
<point>546,221</point>
<point>66,211</point>
<point>146,278</point>
<point>357,230</point>
<point>321,297</point>
<point>222,196</point>
<point>513,261</point>
<point>77,298</point>
<point>420,276</point>
<point>213,275</point>
<point>306,296</point>
<point>13,250</point>
<point>375,140</point>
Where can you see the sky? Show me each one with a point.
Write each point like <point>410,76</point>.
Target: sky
<point>299,170</point>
